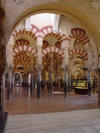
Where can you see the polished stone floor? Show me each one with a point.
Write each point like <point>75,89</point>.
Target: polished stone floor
<point>83,121</point>
<point>22,103</point>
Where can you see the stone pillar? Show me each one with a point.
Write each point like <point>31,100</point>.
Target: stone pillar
<point>30,83</point>
<point>89,65</point>
<point>39,54</point>
<point>39,81</point>
<point>50,89</point>
<point>2,58</point>
<point>89,57</point>
<point>51,75</point>
<point>65,82</point>
<point>40,59</point>
<point>66,56</point>
<point>3,91</point>
<point>2,68</point>
<point>98,85</point>
<point>65,66</point>
<point>89,81</point>
<point>0,98</point>
<point>98,79</point>
<point>39,42</point>
<point>10,80</point>
<point>39,66</point>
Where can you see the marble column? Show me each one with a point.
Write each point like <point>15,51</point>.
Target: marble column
<point>3,91</point>
<point>65,65</point>
<point>98,79</point>
<point>51,75</point>
<point>89,81</point>
<point>39,81</point>
<point>66,56</point>
<point>89,69</point>
<point>99,89</point>
<point>39,66</point>
<point>30,83</point>
<point>10,79</point>
<point>65,82</point>
<point>39,44</point>
<point>39,54</point>
<point>50,89</point>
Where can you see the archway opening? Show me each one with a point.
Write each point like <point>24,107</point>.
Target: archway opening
<point>50,58</point>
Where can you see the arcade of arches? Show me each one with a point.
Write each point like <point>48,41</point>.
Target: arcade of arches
<point>49,58</point>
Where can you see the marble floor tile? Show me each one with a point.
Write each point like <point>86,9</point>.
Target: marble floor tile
<point>97,127</point>
<point>90,129</point>
<point>83,121</point>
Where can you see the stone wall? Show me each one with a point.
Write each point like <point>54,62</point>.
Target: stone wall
<point>2,46</point>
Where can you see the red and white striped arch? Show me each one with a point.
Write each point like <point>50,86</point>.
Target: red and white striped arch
<point>80,35</point>
<point>22,32</point>
<point>21,43</point>
<point>22,59</point>
<point>81,52</point>
<point>48,30</point>
<point>60,37</point>
<point>53,50</point>
<point>43,31</point>
<point>25,49</point>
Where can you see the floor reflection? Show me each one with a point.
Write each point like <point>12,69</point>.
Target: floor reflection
<point>24,102</point>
